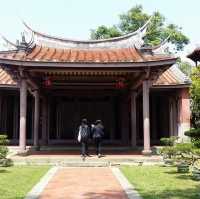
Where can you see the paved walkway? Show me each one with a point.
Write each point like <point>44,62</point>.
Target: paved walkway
<point>83,183</point>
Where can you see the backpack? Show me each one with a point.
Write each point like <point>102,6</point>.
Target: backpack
<point>84,133</point>
<point>97,132</point>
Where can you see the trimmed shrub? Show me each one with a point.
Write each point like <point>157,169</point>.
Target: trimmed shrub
<point>3,146</point>
<point>194,134</point>
<point>168,152</point>
<point>184,148</point>
<point>169,141</point>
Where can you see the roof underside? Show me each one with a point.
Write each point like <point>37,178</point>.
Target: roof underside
<point>171,77</point>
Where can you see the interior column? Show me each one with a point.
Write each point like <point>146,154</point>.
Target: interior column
<point>146,119</point>
<point>44,122</point>
<point>124,117</point>
<point>36,118</point>
<point>23,108</point>
<point>133,119</point>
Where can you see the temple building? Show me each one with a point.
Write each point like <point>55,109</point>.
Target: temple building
<point>47,85</point>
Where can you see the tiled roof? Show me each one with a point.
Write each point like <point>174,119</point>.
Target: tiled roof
<point>172,76</point>
<point>47,54</point>
<point>6,79</point>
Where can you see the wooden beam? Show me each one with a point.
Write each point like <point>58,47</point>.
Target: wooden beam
<point>138,81</point>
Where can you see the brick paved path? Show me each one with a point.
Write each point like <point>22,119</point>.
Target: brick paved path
<point>83,183</point>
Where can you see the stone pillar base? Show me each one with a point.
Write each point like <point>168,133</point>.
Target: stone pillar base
<point>146,152</point>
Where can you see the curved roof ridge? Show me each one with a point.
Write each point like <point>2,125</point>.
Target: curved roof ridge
<point>179,74</point>
<point>123,37</point>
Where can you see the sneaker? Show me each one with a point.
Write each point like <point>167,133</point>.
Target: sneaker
<point>83,157</point>
<point>99,155</point>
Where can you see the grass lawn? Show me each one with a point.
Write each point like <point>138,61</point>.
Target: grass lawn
<point>17,181</point>
<point>157,182</point>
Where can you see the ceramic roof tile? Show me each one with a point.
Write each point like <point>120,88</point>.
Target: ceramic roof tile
<point>6,79</point>
<point>43,54</point>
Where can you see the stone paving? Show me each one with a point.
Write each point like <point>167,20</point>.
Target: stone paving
<point>86,183</point>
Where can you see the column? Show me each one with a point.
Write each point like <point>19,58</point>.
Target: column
<point>146,119</point>
<point>44,122</point>
<point>154,104</point>
<point>15,118</point>
<point>112,118</point>
<point>23,107</point>
<point>36,119</point>
<point>124,118</point>
<point>184,113</point>
<point>133,119</point>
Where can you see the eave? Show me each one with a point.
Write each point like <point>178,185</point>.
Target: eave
<point>88,65</point>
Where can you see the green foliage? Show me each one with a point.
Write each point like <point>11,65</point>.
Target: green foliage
<point>3,140</point>
<point>6,162</point>
<point>177,152</point>
<point>157,182</point>
<point>195,96</point>
<point>193,132</point>
<point>168,152</point>
<point>3,146</point>
<point>17,181</point>
<point>183,148</point>
<point>169,141</point>
<point>136,18</point>
<point>195,136</point>
<point>196,142</point>
<point>104,32</point>
<point>196,151</point>
<point>133,19</point>
<point>185,67</point>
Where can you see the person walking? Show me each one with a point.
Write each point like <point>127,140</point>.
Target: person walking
<point>83,137</point>
<point>97,135</point>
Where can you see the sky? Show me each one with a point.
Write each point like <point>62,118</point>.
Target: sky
<point>75,18</point>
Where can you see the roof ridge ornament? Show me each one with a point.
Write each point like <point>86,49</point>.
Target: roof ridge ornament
<point>162,47</point>
<point>24,45</point>
<point>124,41</point>
<point>10,45</point>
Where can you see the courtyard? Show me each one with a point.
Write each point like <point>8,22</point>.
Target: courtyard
<point>151,182</point>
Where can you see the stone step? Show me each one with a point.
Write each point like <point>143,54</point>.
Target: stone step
<point>76,162</point>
